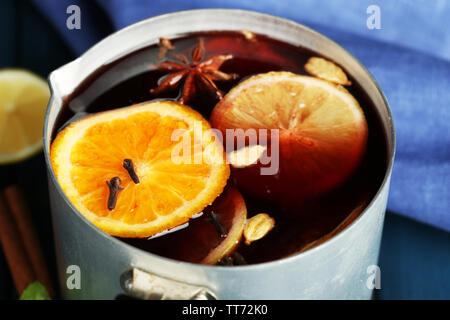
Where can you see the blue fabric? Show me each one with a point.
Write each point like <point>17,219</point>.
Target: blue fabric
<point>409,56</point>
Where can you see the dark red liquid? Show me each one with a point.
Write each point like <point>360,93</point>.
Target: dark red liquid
<point>128,81</point>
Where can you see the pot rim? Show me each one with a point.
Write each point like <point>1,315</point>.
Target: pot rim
<point>253,15</point>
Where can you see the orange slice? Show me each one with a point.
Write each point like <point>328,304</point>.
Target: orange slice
<point>322,133</point>
<point>91,152</point>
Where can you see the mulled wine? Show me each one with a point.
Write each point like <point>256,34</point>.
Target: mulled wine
<point>155,73</point>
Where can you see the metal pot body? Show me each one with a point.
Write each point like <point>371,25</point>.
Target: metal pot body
<point>94,265</point>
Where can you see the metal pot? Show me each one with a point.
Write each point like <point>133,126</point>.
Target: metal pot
<point>336,269</point>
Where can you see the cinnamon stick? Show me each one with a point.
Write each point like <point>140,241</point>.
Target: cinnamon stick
<point>14,250</point>
<point>30,240</point>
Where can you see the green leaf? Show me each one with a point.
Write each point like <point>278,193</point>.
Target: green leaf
<point>35,291</point>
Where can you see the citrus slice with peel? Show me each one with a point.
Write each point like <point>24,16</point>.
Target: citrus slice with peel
<point>208,238</point>
<point>230,208</point>
<point>326,70</point>
<point>322,134</point>
<point>136,152</point>
<point>23,101</point>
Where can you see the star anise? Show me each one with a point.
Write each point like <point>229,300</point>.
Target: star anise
<point>195,75</point>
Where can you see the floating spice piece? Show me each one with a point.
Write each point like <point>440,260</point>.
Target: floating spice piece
<point>246,156</point>
<point>164,46</point>
<point>166,43</point>
<point>248,35</point>
<point>115,186</point>
<point>326,70</point>
<point>194,75</point>
<point>214,218</point>
<point>129,166</point>
<point>257,227</point>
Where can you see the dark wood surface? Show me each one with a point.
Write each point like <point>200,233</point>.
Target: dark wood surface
<point>414,260</point>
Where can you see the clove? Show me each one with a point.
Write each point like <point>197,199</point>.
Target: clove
<point>214,218</point>
<point>115,186</point>
<point>129,166</point>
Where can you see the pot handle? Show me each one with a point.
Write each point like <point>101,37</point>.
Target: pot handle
<point>144,285</point>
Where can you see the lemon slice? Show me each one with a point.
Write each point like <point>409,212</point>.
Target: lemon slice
<point>23,101</point>
<point>322,133</point>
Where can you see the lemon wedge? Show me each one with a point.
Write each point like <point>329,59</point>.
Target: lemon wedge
<point>23,101</point>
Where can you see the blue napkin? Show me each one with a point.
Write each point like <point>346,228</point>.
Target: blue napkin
<point>409,56</point>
